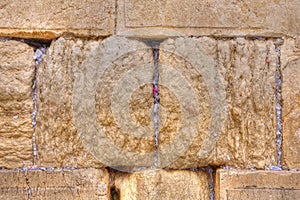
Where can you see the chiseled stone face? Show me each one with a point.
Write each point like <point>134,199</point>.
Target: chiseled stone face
<point>246,184</point>
<point>95,104</point>
<point>49,19</point>
<point>16,104</point>
<point>291,103</point>
<point>161,184</point>
<point>58,184</point>
<point>216,103</point>
<point>57,140</point>
<point>223,105</point>
<point>214,17</point>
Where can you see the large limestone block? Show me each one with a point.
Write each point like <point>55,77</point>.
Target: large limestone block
<point>95,104</point>
<point>16,104</point>
<point>217,102</point>
<point>245,184</point>
<point>57,142</point>
<point>291,103</point>
<point>50,19</point>
<point>214,17</point>
<point>160,184</point>
<point>58,184</point>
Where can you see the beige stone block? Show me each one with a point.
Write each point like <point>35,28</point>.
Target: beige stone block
<point>58,184</point>
<point>57,142</point>
<point>50,19</point>
<point>161,184</point>
<point>291,103</point>
<point>214,17</point>
<point>16,104</point>
<point>245,184</point>
<point>95,104</point>
<point>217,102</point>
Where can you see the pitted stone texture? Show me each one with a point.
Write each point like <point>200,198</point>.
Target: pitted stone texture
<point>160,184</point>
<point>217,103</point>
<point>58,184</point>
<point>56,136</point>
<point>16,104</point>
<point>113,110</point>
<point>291,103</point>
<point>233,84</point>
<point>245,184</point>
<point>95,104</point>
<point>215,17</point>
<point>50,19</point>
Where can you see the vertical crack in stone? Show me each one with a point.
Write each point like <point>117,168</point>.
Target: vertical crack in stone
<point>27,184</point>
<point>38,57</point>
<point>156,102</point>
<point>209,170</point>
<point>278,43</point>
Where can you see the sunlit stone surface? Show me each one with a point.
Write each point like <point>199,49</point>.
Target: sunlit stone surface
<point>16,104</point>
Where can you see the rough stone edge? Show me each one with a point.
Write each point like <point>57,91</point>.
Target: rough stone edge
<point>221,190</point>
<point>53,34</point>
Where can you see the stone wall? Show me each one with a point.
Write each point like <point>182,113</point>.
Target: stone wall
<point>150,99</point>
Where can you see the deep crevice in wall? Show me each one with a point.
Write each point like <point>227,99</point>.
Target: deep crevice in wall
<point>35,43</point>
<point>114,193</point>
<point>211,173</point>
<point>211,183</point>
<point>278,75</point>
<point>39,53</point>
<point>156,103</point>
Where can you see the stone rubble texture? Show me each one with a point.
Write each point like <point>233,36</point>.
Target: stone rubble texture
<point>58,184</point>
<point>16,105</point>
<point>214,17</point>
<point>50,19</point>
<point>290,65</point>
<point>161,184</point>
<point>246,184</point>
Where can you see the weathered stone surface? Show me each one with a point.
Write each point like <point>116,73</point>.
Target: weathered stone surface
<point>50,19</point>
<point>291,103</point>
<point>214,17</point>
<point>245,184</point>
<point>124,105</point>
<point>94,103</point>
<point>56,137</point>
<point>219,103</point>
<point>58,184</point>
<point>160,184</point>
<point>16,104</point>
